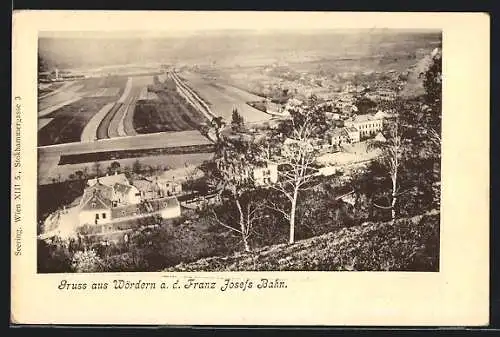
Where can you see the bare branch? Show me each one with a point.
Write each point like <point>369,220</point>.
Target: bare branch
<point>276,208</point>
<point>382,207</point>
<point>216,218</point>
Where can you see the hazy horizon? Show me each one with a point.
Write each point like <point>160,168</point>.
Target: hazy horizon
<point>88,49</point>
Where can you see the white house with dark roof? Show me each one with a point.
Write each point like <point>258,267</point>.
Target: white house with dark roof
<point>339,136</point>
<point>102,194</point>
<point>95,206</point>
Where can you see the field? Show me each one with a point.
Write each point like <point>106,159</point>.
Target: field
<point>69,121</point>
<point>169,113</point>
<point>67,112</point>
<point>49,157</point>
<point>223,98</point>
<point>92,157</point>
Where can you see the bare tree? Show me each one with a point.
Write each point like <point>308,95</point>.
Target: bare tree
<point>232,173</point>
<point>248,216</point>
<point>392,158</point>
<point>296,160</point>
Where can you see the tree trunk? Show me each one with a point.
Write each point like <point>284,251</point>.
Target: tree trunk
<point>394,197</point>
<point>292,216</point>
<point>243,227</point>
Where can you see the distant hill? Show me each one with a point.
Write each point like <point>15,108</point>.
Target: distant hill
<point>409,244</point>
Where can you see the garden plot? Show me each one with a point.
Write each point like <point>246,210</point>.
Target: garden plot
<point>223,98</point>
<point>170,112</point>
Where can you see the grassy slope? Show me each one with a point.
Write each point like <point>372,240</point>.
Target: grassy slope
<point>410,244</point>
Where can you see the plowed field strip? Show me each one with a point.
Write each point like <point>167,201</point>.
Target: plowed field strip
<point>102,130</point>
<point>128,124</point>
<point>89,133</point>
<point>124,111</point>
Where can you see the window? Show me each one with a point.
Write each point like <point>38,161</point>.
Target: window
<point>104,215</point>
<point>97,216</point>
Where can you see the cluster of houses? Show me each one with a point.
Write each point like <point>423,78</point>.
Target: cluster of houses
<point>357,128</point>
<point>109,198</point>
<point>114,198</point>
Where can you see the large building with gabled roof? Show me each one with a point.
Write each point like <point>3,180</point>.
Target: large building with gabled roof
<point>95,206</point>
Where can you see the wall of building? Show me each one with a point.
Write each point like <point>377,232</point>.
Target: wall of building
<point>366,128</point>
<point>354,136</point>
<point>134,196</point>
<point>266,175</point>
<point>89,217</point>
<point>171,212</point>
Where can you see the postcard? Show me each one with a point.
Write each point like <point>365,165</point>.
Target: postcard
<point>250,168</point>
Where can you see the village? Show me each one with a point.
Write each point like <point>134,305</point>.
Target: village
<point>115,203</point>
<point>208,158</point>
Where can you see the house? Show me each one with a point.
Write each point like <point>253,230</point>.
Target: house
<point>102,195</point>
<point>170,208</point>
<point>168,187</point>
<point>266,174</point>
<point>339,136</point>
<point>353,134</point>
<point>147,189</point>
<point>367,125</point>
<point>122,193</point>
<point>95,207</point>
<point>125,194</point>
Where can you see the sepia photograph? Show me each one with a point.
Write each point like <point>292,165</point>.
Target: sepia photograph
<point>250,168</point>
<point>239,150</point>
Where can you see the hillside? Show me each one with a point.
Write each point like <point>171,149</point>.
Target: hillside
<point>414,85</point>
<point>408,244</point>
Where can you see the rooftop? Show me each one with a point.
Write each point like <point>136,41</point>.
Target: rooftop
<point>182,173</point>
<point>143,185</point>
<point>103,190</point>
<point>122,188</point>
<point>367,117</point>
<point>96,202</point>
<point>109,180</point>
